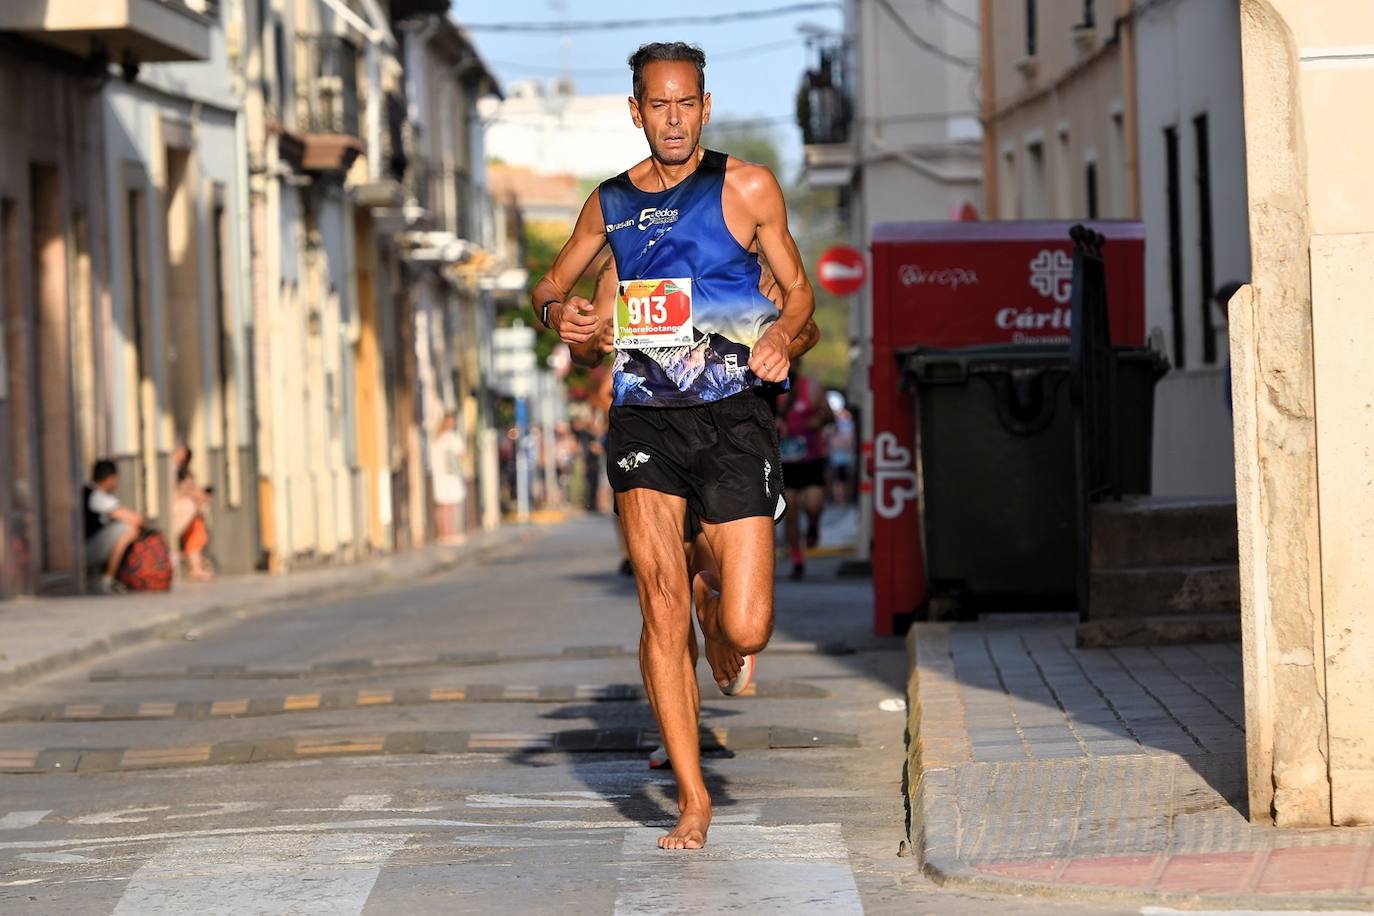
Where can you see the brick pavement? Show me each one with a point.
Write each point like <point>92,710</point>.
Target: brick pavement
<point>1040,767</point>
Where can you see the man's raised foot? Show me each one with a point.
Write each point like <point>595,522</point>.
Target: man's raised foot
<point>725,662</point>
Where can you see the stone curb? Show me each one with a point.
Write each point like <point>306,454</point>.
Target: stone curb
<point>934,826</point>
<point>381,575</point>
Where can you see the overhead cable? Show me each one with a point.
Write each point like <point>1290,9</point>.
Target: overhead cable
<point>925,43</point>
<point>605,24</point>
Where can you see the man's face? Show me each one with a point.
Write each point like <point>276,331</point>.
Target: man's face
<point>109,483</point>
<point>672,111</point>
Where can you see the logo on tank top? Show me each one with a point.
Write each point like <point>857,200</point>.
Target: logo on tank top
<point>623,224</point>
<point>653,216</point>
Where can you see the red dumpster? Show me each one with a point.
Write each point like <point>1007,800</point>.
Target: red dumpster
<point>960,284</point>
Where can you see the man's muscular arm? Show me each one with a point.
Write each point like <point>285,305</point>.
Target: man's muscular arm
<point>762,197</point>
<point>801,344</point>
<point>590,352</point>
<point>571,316</point>
<point>810,334</point>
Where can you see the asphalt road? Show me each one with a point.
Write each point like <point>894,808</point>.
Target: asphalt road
<point>474,743</point>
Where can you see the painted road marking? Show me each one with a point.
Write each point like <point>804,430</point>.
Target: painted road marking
<point>786,869</point>
<point>269,874</point>
<point>365,802</point>
<point>391,696</point>
<point>447,660</point>
<point>18,820</point>
<point>545,800</point>
<point>288,748</point>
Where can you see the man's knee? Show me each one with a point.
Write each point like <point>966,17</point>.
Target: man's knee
<point>663,595</point>
<point>749,634</point>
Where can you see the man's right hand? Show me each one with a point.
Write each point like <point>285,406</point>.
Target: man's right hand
<point>574,320</point>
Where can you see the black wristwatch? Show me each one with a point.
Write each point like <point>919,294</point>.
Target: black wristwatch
<point>544,313</point>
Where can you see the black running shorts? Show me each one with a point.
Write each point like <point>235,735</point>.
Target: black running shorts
<point>721,457</point>
<point>801,475</point>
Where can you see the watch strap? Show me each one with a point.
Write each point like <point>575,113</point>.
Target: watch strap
<point>544,312</point>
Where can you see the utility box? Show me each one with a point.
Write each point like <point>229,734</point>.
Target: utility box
<point>951,285</point>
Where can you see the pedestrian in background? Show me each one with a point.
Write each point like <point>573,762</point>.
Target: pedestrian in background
<point>110,527</point>
<point>446,469</point>
<point>190,524</point>
<point>803,414</point>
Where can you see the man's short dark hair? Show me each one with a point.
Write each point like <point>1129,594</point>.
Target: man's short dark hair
<point>103,470</point>
<point>667,50</point>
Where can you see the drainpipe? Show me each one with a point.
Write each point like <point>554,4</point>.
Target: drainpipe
<point>989,113</point>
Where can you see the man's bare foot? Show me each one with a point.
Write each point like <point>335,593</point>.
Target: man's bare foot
<point>725,662</point>
<point>690,832</point>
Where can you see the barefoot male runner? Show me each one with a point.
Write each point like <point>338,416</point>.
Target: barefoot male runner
<point>693,338</point>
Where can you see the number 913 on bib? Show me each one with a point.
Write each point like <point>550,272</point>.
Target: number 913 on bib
<point>653,313</point>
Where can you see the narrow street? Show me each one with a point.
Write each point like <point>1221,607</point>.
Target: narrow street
<point>473,743</point>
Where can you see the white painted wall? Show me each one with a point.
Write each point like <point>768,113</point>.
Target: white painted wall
<point>133,114</point>
<point>1189,64</point>
<point>590,136</point>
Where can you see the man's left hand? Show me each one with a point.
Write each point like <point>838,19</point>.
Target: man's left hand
<point>768,360</point>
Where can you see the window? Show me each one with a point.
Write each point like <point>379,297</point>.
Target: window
<point>1090,188</point>
<point>1117,166</point>
<point>1030,28</point>
<point>1175,250</point>
<point>145,395</point>
<point>224,351</point>
<point>1035,203</point>
<point>1204,219</point>
<point>1008,196</point>
<point>1063,185</point>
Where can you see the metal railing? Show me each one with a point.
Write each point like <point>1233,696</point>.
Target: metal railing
<point>328,95</point>
<point>824,108</point>
<point>1092,391</point>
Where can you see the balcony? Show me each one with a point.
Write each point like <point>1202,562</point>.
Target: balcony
<point>120,31</point>
<point>327,113</point>
<point>825,114</point>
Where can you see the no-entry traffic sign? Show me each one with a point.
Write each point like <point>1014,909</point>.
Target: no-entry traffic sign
<point>842,270</point>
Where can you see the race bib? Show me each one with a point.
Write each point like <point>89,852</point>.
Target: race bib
<point>792,448</point>
<point>653,313</point>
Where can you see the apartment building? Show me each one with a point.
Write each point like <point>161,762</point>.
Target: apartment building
<point>889,116</point>
<point>120,234</point>
<point>1122,109</point>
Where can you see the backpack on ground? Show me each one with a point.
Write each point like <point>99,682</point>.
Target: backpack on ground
<point>147,564</point>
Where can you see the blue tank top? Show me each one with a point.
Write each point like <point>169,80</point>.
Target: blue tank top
<point>677,233</point>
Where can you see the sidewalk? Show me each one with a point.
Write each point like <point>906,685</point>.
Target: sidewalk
<point>1037,767</point>
<point>41,635</point>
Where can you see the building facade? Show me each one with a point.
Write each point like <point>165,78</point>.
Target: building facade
<point>178,348</point>
<point>1193,203</point>
<point>894,154</point>
<point>244,227</point>
<point>1118,109</point>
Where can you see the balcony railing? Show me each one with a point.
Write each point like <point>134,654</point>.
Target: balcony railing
<point>328,96</point>
<point>824,110</point>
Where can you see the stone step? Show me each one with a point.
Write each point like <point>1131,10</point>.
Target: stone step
<point>1153,531</point>
<point>1160,591</point>
<point>1159,631</point>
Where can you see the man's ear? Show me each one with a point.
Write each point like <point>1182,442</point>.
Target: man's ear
<point>634,112</point>
<point>706,108</point>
